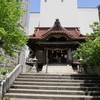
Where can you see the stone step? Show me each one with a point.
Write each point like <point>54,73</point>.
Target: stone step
<point>58,80</point>
<point>52,96</point>
<point>48,74</point>
<point>43,86</point>
<point>88,88</point>
<point>27,99</point>
<point>60,92</point>
<point>59,77</point>
<point>56,83</point>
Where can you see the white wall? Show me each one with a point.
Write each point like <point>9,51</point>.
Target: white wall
<point>68,14</point>
<point>34,21</point>
<point>25,20</point>
<point>86,17</point>
<point>65,11</point>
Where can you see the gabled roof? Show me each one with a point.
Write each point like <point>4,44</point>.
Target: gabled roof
<point>45,32</point>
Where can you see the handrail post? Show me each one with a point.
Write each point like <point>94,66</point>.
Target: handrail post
<point>47,66</point>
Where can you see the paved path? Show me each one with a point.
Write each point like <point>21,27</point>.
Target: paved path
<point>56,69</point>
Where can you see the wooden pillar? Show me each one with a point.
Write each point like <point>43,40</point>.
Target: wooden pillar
<point>35,51</point>
<point>46,56</point>
<point>69,56</point>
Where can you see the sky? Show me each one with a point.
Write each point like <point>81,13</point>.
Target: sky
<point>35,4</point>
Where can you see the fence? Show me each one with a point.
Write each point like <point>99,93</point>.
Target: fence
<point>5,84</point>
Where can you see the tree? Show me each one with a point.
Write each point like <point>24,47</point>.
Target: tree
<point>12,37</point>
<point>90,50</point>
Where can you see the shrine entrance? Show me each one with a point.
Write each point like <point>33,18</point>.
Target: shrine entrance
<point>57,56</point>
<point>55,44</point>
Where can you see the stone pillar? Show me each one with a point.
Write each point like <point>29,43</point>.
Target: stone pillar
<point>69,56</point>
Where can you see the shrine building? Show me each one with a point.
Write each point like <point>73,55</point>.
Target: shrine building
<point>56,44</point>
<point>57,30</point>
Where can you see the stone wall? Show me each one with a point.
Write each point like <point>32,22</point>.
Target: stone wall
<point>93,70</point>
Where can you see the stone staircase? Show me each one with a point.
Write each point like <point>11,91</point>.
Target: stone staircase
<point>40,86</point>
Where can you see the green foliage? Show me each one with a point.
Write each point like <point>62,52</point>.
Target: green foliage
<point>2,70</point>
<point>6,98</point>
<point>5,71</point>
<point>12,37</point>
<point>2,56</point>
<point>90,50</point>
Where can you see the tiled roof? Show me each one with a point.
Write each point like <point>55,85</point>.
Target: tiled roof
<point>45,32</point>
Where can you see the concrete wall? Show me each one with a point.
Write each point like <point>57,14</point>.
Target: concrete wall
<point>65,11</point>
<point>86,17</point>
<point>97,70</point>
<point>93,70</point>
<point>34,21</point>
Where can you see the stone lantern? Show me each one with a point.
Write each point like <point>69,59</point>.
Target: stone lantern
<point>80,65</point>
<point>35,63</point>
